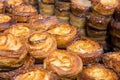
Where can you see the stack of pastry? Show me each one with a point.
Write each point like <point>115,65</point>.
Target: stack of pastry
<point>79,10</point>
<point>46,7</point>
<point>62,9</point>
<point>32,2</point>
<point>99,19</point>
<point>115,30</point>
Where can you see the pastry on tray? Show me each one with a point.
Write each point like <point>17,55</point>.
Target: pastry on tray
<point>13,51</point>
<point>64,34</point>
<point>64,64</point>
<point>112,61</point>
<point>41,44</point>
<point>97,72</point>
<point>89,50</point>
<point>23,12</point>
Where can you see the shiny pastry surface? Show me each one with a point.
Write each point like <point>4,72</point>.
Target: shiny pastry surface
<point>64,34</point>
<point>12,51</point>
<point>41,44</point>
<point>4,18</point>
<point>89,50</point>
<point>63,63</point>
<point>35,73</point>
<point>97,72</point>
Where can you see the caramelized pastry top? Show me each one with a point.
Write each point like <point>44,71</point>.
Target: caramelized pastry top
<point>14,2</point>
<point>109,2</point>
<point>84,46</point>
<point>63,63</point>
<point>35,73</point>
<point>9,42</point>
<point>99,72</point>
<point>81,3</point>
<point>19,29</point>
<point>4,18</point>
<point>25,8</point>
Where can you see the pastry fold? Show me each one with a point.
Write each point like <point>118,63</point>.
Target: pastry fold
<point>63,63</point>
<point>112,61</point>
<point>13,51</point>
<point>97,72</point>
<point>64,34</point>
<point>89,50</point>
<point>23,12</point>
<point>41,45</point>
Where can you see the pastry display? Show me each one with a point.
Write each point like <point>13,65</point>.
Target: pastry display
<point>64,34</point>
<point>6,21</point>
<point>97,72</point>
<point>89,50</point>
<point>41,45</point>
<point>112,61</point>
<point>64,64</point>
<point>23,12</point>
<point>12,51</point>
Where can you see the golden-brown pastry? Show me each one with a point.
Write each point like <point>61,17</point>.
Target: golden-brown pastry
<point>62,6</point>
<point>104,7</point>
<point>89,50</point>
<point>8,75</point>
<point>10,4</point>
<point>35,73</point>
<point>2,7</point>
<point>6,21</point>
<point>41,44</point>
<point>80,7</point>
<point>62,15</point>
<point>63,63</point>
<point>48,1</point>
<point>115,28</point>
<point>112,60</point>
<point>47,9</point>
<point>97,72</point>
<point>77,21</point>
<point>23,12</point>
<point>22,30</point>
<point>64,34</point>
<point>45,23</point>
<point>13,51</point>
<point>98,21</point>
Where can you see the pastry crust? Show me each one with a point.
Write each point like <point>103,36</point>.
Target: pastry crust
<point>2,7</point>
<point>64,34</point>
<point>6,21</point>
<point>48,1</point>
<point>80,7</point>
<point>62,15</point>
<point>112,61</point>
<point>115,28</point>
<point>47,9</point>
<point>77,21</point>
<point>62,6</point>
<point>104,7</point>
<point>22,30</point>
<point>97,72</point>
<point>63,63</point>
<point>35,73</point>
<point>12,51</point>
<point>98,21</point>
<point>41,44</point>
<point>23,12</point>
<point>10,4</point>
<point>45,23</point>
<point>89,50</point>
